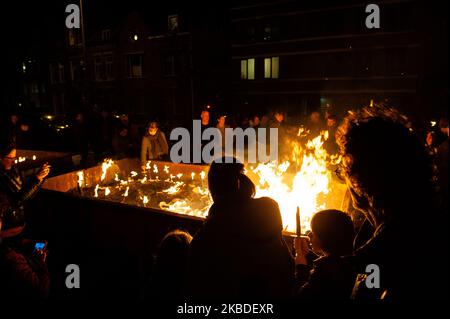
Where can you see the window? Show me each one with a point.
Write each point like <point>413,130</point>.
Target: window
<point>106,35</point>
<point>52,73</point>
<point>61,72</point>
<point>271,31</point>
<point>99,69</point>
<point>251,33</point>
<point>72,70</point>
<point>134,65</point>
<point>73,38</point>
<point>169,65</point>
<point>103,68</point>
<point>109,67</point>
<point>271,68</point>
<point>172,23</point>
<point>248,69</point>
<point>34,88</point>
<point>267,32</point>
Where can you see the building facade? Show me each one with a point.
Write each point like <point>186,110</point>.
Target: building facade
<point>300,55</point>
<point>123,68</point>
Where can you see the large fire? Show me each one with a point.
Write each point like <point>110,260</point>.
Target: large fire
<point>303,180</point>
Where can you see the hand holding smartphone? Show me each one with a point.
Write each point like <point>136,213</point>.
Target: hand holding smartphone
<point>40,249</point>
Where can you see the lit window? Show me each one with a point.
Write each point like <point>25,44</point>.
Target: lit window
<point>172,23</point>
<point>244,69</point>
<point>73,38</point>
<point>248,69</point>
<point>271,67</point>
<point>251,69</point>
<point>267,68</point>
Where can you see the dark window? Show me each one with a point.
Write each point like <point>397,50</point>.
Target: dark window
<point>106,35</point>
<point>135,65</point>
<point>169,68</point>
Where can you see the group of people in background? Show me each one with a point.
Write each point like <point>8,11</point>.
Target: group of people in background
<point>240,251</point>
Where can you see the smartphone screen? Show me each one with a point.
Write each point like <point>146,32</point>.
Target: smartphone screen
<point>39,246</point>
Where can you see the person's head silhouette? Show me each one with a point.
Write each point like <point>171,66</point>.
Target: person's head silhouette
<point>226,180</point>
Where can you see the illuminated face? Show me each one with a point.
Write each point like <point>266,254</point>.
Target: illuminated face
<point>315,117</point>
<point>9,159</point>
<point>256,121</point>
<point>124,118</point>
<point>222,121</point>
<point>205,117</point>
<point>331,122</point>
<point>14,119</point>
<point>79,117</point>
<point>279,117</point>
<point>152,130</point>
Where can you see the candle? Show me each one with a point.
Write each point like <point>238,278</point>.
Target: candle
<point>299,227</point>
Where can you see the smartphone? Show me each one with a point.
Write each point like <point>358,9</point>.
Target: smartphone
<point>40,246</point>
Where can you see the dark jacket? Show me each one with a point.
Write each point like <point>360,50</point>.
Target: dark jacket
<point>412,265</point>
<point>122,144</point>
<point>15,188</point>
<point>22,275</point>
<point>442,161</point>
<point>332,277</point>
<point>240,252</point>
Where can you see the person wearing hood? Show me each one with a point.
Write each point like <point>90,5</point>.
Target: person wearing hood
<point>240,251</point>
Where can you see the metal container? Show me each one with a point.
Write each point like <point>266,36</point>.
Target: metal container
<point>105,238</point>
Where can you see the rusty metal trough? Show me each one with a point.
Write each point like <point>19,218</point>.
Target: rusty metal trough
<point>107,237</point>
<point>108,240</point>
<point>60,162</point>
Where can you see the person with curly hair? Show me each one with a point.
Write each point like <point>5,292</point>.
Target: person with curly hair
<point>390,178</point>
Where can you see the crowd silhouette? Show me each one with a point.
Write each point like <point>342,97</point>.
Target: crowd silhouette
<point>240,251</point>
